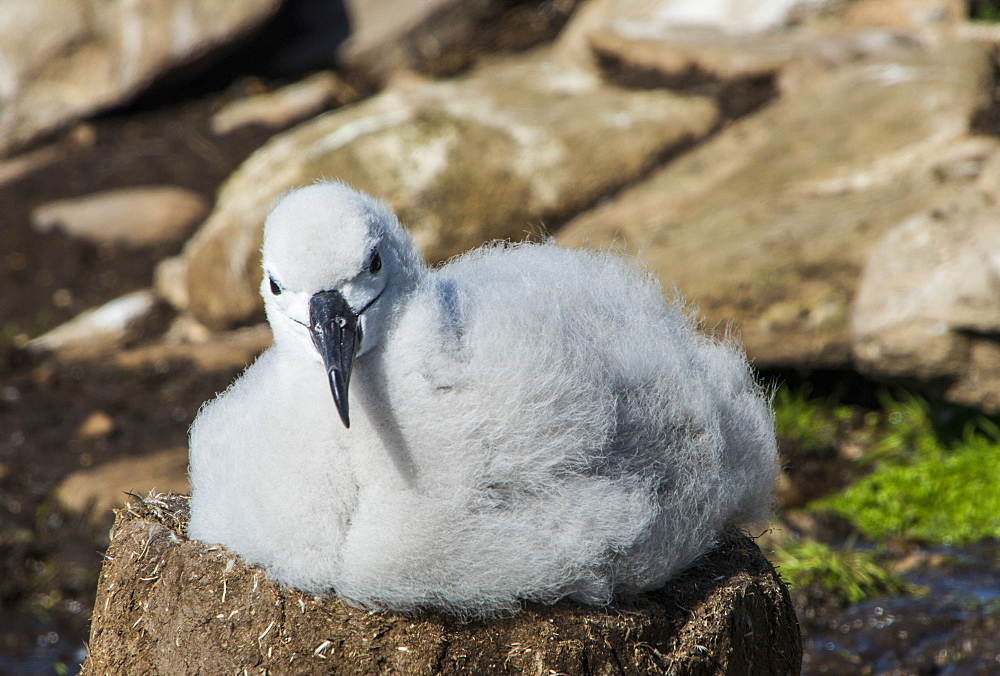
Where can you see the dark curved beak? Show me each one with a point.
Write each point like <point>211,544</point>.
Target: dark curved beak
<point>336,334</point>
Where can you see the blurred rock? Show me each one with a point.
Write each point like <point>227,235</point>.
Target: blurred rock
<point>95,426</point>
<point>208,352</point>
<point>81,138</point>
<point>170,282</point>
<point>286,106</point>
<point>652,18</point>
<point>647,45</point>
<point>694,45</point>
<point>65,59</point>
<point>829,51</point>
<point>94,492</point>
<point>491,156</point>
<point>705,46</point>
<point>388,36</point>
<point>16,168</point>
<point>927,307</point>
<point>100,329</point>
<point>980,31</point>
<point>440,37</point>
<point>185,329</point>
<point>769,224</point>
<point>740,71</point>
<point>683,57</point>
<point>137,216</point>
<point>728,613</point>
<point>906,15</point>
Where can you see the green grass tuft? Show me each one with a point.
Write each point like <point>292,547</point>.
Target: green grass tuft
<point>985,10</point>
<point>814,424</point>
<point>849,575</point>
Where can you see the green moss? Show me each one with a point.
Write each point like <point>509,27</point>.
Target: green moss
<point>849,575</point>
<point>908,429</point>
<point>931,482</point>
<point>813,424</point>
<point>950,500</point>
<point>985,10</point>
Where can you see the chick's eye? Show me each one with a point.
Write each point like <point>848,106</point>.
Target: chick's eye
<point>275,289</point>
<point>375,264</point>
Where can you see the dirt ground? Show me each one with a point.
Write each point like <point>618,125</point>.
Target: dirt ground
<point>50,559</point>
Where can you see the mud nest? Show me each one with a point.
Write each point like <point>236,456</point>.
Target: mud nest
<point>169,605</point>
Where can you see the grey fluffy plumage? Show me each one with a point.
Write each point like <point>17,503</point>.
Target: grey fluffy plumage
<point>527,422</point>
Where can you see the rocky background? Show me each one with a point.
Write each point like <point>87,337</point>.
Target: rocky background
<point>819,177</point>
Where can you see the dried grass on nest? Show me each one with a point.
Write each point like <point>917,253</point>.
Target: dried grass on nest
<point>167,604</point>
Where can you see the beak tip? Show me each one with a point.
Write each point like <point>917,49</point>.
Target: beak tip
<point>339,385</point>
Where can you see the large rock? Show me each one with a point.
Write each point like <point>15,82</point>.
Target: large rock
<point>655,17</point>
<point>769,223</point>
<point>136,216</point>
<point>209,352</point>
<point>739,70</point>
<point>642,44</point>
<point>172,606</point>
<point>285,106</point>
<point>492,156</point>
<point>732,24</point>
<point>927,309</point>
<point>389,36</point>
<point>686,57</point>
<point>94,491</point>
<point>101,329</point>
<point>907,15</point>
<point>61,60</point>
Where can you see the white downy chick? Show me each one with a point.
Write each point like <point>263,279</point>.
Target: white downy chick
<point>524,423</point>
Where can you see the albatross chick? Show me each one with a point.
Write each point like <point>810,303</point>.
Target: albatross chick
<point>523,423</point>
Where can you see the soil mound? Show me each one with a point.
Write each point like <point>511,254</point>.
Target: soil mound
<point>169,605</point>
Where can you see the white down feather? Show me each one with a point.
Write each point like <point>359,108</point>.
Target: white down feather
<point>527,422</point>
